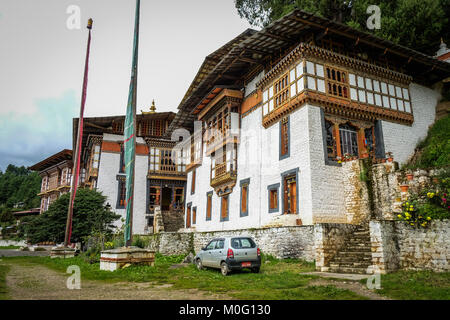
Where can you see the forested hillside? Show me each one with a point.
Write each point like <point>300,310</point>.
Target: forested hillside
<point>18,189</point>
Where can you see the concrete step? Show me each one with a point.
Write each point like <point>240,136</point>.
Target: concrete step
<point>361,233</point>
<point>355,253</point>
<point>350,264</point>
<point>345,259</point>
<point>357,243</point>
<point>355,248</point>
<point>348,270</point>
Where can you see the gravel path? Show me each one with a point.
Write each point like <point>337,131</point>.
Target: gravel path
<point>35,282</point>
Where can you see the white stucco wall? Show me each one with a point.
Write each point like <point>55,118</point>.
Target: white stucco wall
<point>107,183</point>
<point>321,194</point>
<point>401,140</point>
<point>258,160</point>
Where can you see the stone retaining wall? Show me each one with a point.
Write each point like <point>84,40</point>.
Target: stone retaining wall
<point>396,245</point>
<point>7,243</point>
<point>281,242</point>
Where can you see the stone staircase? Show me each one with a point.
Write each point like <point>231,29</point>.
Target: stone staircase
<point>356,255</point>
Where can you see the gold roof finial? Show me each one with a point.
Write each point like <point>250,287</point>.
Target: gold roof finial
<point>152,108</point>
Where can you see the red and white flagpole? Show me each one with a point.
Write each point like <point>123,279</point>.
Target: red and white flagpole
<point>76,157</point>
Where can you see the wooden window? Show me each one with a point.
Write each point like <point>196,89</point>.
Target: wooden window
<point>121,201</point>
<point>290,195</point>
<point>155,159</point>
<point>281,90</point>
<point>194,215</point>
<point>122,160</point>
<point>224,209</point>
<point>369,141</point>
<point>337,82</point>
<point>349,140</point>
<point>194,173</point>
<point>145,128</point>
<point>273,197</point>
<point>288,86</point>
<point>284,138</point>
<point>188,216</point>
<point>209,205</point>
<point>179,197</point>
<point>330,140</point>
<point>244,197</point>
<point>117,126</point>
<point>155,196</point>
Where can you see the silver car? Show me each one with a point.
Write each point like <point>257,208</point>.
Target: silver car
<point>230,253</point>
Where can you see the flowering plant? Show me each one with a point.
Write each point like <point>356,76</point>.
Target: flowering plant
<point>412,215</point>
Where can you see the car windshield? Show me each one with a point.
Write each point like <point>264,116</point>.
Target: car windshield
<point>242,243</point>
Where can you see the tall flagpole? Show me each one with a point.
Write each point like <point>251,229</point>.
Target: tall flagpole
<point>130,135</point>
<point>76,158</point>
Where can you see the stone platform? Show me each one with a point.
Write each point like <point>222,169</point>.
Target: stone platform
<point>62,252</point>
<point>111,260</point>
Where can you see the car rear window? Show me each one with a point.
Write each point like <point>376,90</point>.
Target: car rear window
<point>242,243</point>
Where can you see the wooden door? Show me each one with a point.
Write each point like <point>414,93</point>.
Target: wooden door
<point>293,196</point>
<point>188,217</point>
<point>224,209</point>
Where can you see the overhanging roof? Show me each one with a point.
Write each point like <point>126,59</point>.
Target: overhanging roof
<point>52,160</point>
<point>257,47</point>
<point>100,125</point>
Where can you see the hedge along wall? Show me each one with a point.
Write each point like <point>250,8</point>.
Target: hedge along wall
<point>395,245</point>
<point>281,242</point>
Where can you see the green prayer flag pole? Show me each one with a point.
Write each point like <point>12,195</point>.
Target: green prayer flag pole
<point>130,135</point>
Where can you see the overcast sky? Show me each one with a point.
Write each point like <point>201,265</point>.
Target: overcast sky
<point>42,61</point>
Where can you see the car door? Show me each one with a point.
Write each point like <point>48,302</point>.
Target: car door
<point>218,253</point>
<point>207,254</point>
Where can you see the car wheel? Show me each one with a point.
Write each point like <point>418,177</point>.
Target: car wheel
<point>199,264</point>
<point>224,268</point>
<point>255,270</point>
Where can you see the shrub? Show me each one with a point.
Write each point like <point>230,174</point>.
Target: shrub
<point>90,214</point>
<point>139,242</point>
<point>434,151</point>
<point>429,204</point>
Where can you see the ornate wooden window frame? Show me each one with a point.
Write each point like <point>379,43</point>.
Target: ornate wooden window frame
<point>209,197</point>
<point>225,216</point>
<point>286,175</point>
<point>244,184</point>
<point>273,188</point>
<point>332,104</point>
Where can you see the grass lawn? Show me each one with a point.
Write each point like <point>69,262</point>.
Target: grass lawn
<point>3,290</point>
<point>416,285</point>
<point>9,248</point>
<point>278,279</point>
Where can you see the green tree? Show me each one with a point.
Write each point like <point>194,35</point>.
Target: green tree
<point>417,24</point>
<point>90,215</point>
<point>19,187</point>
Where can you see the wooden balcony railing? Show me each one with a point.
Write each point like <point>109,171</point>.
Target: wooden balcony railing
<point>222,175</point>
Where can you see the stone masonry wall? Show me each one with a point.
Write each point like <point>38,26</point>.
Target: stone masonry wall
<point>282,242</point>
<point>397,245</point>
<point>385,250</point>
<point>387,195</point>
<point>329,238</point>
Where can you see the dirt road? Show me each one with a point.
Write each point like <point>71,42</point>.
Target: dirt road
<point>35,282</point>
